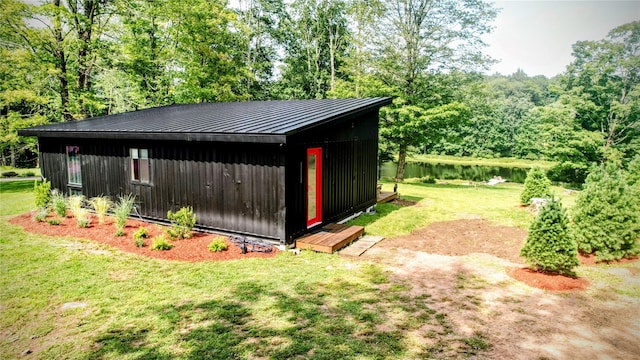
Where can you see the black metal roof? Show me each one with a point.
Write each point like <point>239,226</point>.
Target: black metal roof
<point>253,121</point>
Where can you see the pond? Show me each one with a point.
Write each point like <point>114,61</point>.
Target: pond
<point>451,171</point>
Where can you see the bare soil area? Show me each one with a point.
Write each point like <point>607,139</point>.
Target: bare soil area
<point>469,270</point>
<point>193,249</point>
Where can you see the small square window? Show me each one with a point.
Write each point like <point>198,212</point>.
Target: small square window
<point>140,165</point>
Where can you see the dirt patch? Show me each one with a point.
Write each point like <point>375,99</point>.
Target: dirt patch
<point>403,202</point>
<point>192,250</point>
<point>463,237</point>
<point>547,281</point>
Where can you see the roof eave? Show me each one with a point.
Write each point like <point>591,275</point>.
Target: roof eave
<point>179,136</point>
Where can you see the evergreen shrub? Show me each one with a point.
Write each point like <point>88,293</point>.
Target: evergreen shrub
<point>536,185</point>
<point>160,243</point>
<point>42,193</point>
<point>607,214</point>
<point>182,222</point>
<point>550,246</point>
<point>218,244</point>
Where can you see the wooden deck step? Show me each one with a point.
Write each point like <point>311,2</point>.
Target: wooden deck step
<point>387,196</point>
<point>329,238</point>
<point>359,247</point>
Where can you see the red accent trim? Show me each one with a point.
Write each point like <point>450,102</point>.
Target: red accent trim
<point>317,152</point>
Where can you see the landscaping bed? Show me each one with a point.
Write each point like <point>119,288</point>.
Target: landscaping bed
<point>193,249</point>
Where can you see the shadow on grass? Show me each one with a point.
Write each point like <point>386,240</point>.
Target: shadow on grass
<point>336,319</point>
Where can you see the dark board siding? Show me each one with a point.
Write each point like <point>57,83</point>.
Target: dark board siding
<point>231,187</point>
<point>350,152</point>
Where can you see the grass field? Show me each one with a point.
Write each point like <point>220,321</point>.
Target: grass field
<point>504,162</point>
<point>74,299</point>
<point>21,172</point>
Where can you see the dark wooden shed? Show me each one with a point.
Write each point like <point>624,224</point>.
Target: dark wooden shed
<point>271,169</point>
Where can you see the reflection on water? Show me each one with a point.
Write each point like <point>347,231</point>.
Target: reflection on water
<point>451,172</point>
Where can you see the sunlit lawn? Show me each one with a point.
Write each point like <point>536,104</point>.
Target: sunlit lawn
<point>457,160</point>
<point>130,307</point>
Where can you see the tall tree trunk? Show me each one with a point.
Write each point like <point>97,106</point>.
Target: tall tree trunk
<point>402,162</point>
<point>61,64</point>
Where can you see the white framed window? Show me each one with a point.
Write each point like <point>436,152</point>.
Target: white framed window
<point>140,165</point>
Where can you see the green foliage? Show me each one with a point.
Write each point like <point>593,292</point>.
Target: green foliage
<point>428,180</point>
<point>607,214</point>
<point>75,204</point>
<point>141,233</point>
<point>121,212</point>
<point>53,221</point>
<point>29,173</point>
<point>218,244</point>
<point>42,193</point>
<point>160,243</point>
<point>182,222</point>
<point>41,215</point>
<point>139,242</point>
<point>101,205</point>
<point>120,232</point>
<point>550,246</point>
<point>536,185</point>
<point>82,217</point>
<point>59,204</point>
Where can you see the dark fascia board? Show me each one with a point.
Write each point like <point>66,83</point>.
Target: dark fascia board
<point>203,136</point>
<point>183,136</point>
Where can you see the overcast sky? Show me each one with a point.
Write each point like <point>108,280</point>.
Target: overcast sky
<point>536,36</point>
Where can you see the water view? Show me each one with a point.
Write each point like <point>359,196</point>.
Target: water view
<point>451,171</point>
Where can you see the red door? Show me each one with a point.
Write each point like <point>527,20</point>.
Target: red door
<point>314,186</point>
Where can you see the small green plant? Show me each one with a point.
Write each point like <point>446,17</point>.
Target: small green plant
<point>139,243</point>
<point>59,204</point>
<point>53,221</point>
<point>41,215</point>
<point>428,180</point>
<point>28,173</point>
<point>101,204</point>
<point>141,233</point>
<point>218,244</point>
<point>536,185</point>
<point>550,246</point>
<point>82,217</point>
<point>160,243</point>
<point>182,222</point>
<point>42,193</point>
<point>121,211</point>
<point>75,203</point>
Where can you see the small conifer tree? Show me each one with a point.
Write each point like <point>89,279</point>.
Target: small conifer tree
<point>550,246</point>
<point>607,214</point>
<point>535,185</point>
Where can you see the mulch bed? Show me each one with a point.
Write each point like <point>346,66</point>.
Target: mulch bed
<point>547,281</point>
<point>192,250</point>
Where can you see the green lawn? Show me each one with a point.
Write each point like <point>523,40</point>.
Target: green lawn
<point>444,202</point>
<point>21,172</point>
<point>457,160</point>
<point>129,307</point>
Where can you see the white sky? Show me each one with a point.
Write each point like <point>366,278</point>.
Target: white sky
<point>536,36</point>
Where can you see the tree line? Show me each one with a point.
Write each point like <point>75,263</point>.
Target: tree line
<point>65,60</point>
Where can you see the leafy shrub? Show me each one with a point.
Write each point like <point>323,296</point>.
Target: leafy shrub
<point>218,244</point>
<point>75,203</point>
<point>121,211</point>
<point>7,174</point>
<point>535,185</point>
<point>59,204</point>
<point>160,243</point>
<point>550,245</point>
<point>139,242</point>
<point>28,173</point>
<point>428,180</point>
<point>182,222</point>
<point>141,233</point>
<point>41,215</point>
<point>82,217</point>
<point>54,221</point>
<point>101,204</point>
<point>607,214</point>
<point>42,193</point>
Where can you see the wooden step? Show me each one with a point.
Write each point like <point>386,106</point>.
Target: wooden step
<point>329,238</point>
